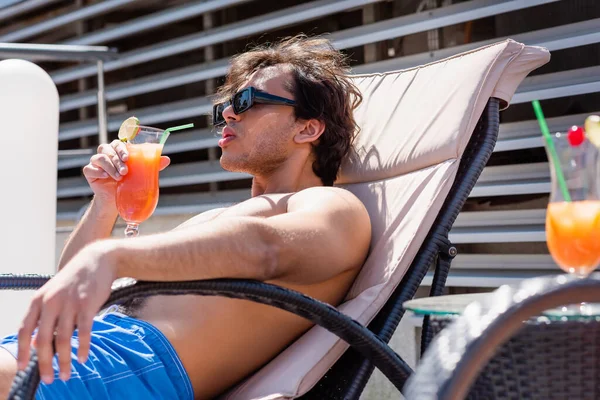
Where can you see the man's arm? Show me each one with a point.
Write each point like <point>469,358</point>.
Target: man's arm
<point>97,223</point>
<point>324,233</point>
<point>102,173</point>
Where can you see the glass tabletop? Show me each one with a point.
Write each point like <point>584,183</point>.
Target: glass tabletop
<point>455,304</point>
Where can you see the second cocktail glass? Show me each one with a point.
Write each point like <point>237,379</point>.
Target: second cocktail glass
<point>573,214</point>
<point>137,191</point>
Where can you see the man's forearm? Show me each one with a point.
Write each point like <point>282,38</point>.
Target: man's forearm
<point>97,223</point>
<point>224,248</point>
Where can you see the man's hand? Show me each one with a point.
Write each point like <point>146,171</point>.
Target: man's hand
<point>71,298</point>
<point>107,167</point>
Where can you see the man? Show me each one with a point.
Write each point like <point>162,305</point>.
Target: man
<point>287,118</point>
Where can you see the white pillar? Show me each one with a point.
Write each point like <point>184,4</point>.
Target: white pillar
<point>29,118</point>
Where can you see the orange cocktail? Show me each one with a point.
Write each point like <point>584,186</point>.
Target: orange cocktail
<point>137,192</point>
<point>573,235</point>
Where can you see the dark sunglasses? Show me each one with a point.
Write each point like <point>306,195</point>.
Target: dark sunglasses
<point>244,100</point>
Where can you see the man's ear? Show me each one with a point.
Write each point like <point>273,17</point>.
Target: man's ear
<point>313,129</point>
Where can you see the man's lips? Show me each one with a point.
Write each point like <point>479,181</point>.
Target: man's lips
<point>228,135</point>
<point>227,132</point>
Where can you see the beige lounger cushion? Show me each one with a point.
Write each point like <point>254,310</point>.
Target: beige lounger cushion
<point>415,124</point>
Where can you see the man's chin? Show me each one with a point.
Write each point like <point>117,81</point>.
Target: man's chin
<point>231,165</point>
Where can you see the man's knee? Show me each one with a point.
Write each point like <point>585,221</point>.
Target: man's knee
<point>8,370</point>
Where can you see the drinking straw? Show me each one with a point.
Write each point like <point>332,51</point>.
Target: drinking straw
<point>168,131</point>
<point>552,150</point>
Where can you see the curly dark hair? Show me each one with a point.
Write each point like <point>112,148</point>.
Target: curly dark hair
<point>320,86</point>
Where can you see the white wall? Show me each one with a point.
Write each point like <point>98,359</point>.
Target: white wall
<point>29,134</point>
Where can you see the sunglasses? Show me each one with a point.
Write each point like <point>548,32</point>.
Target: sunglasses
<point>244,100</point>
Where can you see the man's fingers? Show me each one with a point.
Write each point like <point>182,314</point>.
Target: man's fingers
<point>24,336</point>
<point>107,156</point>
<point>84,328</point>
<point>64,332</point>
<point>119,165</point>
<point>43,342</point>
<point>105,163</point>
<point>92,173</point>
<point>117,152</point>
<point>164,162</point>
<point>121,149</point>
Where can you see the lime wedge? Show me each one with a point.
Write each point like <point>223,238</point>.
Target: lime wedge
<point>129,128</point>
<point>592,129</point>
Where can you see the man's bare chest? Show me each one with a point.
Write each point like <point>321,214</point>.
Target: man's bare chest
<point>261,206</point>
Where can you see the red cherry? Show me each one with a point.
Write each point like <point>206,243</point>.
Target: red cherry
<point>576,135</point>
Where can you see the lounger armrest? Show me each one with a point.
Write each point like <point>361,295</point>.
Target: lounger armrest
<point>460,351</point>
<point>359,337</point>
<point>22,282</point>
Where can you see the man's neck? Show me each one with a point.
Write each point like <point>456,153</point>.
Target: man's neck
<point>285,180</point>
<point>292,176</point>
<point>260,187</point>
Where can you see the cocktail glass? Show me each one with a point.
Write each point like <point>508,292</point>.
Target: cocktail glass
<point>137,191</point>
<point>573,212</point>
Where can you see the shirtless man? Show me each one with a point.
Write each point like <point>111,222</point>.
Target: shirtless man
<point>290,131</point>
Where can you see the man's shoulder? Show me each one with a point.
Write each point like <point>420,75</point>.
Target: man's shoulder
<point>326,197</point>
<point>326,192</point>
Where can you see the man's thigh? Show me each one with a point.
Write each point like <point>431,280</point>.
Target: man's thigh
<point>8,370</point>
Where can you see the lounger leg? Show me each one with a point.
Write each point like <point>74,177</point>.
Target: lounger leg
<point>445,256</point>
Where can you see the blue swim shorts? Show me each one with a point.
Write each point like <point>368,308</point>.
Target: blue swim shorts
<point>129,359</point>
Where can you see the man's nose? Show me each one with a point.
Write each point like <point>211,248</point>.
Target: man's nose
<point>229,115</point>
